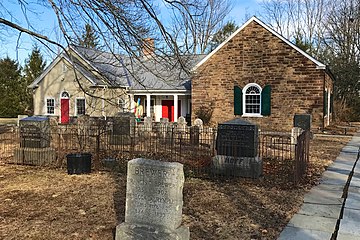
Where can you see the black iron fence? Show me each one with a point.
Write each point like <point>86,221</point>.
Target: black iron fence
<point>193,146</point>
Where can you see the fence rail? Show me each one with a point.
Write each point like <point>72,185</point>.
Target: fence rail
<point>193,146</point>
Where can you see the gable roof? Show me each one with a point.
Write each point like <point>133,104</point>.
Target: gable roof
<point>118,70</point>
<point>56,61</point>
<point>318,64</point>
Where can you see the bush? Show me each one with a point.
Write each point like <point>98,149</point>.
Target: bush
<point>205,113</point>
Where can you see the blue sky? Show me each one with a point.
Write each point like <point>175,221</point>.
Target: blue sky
<point>45,21</point>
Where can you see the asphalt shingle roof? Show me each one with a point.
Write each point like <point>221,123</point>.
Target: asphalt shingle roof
<point>140,74</point>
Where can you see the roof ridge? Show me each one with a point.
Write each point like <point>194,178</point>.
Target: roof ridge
<point>252,19</point>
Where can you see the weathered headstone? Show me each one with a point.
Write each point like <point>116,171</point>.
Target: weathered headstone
<point>34,142</point>
<point>35,132</point>
<point>154,202</point>
<point>237,149</point>
<point>164,127</point>
<point>303,121</point>
<point>124,124</point>
<point>148,124</point>
<point>199,123</point>
<point>123,128</point>
<point>181,124</point>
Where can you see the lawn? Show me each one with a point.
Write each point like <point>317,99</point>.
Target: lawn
<point>43,203</point>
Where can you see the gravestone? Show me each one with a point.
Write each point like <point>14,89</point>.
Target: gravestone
<point>199,123</point>
<point>181,124</point>
<point>303,121</point>
<point>34,132</point>
<point>237,149</point>
<point>123,128</point>
<point>148,124</point>
<point>154,202</point>
<point>34,142</point>
<point>237,138</point>
<point>164,127</point>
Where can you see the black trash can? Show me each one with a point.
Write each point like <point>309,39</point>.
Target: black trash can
<point>78,163</point>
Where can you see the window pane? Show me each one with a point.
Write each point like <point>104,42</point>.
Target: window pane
<point>50,106</point>
<point>80,106</point>
<point>252,99</point>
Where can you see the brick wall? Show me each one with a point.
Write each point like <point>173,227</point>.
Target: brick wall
<point>255,55</point>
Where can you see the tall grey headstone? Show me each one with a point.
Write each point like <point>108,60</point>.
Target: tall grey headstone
<point>154,202</point>
<point>35,132</point>
<point>237,149</point>
<point>34,142</point>
<point>123,128</point>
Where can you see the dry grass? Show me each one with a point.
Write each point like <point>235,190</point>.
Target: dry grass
<point>41,203</point>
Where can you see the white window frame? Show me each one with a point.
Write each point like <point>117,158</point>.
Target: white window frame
<point>245,114</point>
<point>46,105</point>
<point>76,106</point>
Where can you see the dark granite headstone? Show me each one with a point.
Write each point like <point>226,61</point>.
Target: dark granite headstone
<point>35,132</point>
<point>237,138</point>
<point>124,124</point>
<point>123,129</point>
<point>302,121</point>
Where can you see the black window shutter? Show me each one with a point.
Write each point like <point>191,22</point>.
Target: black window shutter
<point>237,101</point>
<point>266,101</point>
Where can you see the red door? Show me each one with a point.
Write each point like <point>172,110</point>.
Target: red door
<point>64,111</point>
<point>168,109</point>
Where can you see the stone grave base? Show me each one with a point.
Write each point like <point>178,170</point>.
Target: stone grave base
<point>126,231</point>
<point>251,167</point>
<point>34,156</point>
<point>120,140</point>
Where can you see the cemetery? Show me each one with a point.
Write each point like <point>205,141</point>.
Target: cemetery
<point>207,183</point>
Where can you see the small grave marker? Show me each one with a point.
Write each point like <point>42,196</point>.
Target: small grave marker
<point>303,121</point>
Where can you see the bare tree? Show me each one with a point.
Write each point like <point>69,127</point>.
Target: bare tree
<point>122,28</point>
<point>298,19</point>
<point>342,44</point>
<point>196,27</point>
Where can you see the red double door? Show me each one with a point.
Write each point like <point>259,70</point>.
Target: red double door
<point>65,109</point>
<point>168,109</point>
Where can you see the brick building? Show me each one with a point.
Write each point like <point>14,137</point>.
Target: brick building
<point>262,77</point>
